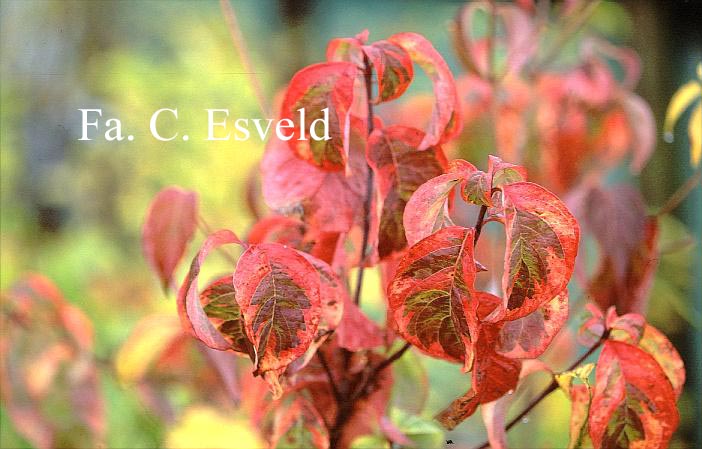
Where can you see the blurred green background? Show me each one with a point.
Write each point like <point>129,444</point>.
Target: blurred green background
<point>73,210</point>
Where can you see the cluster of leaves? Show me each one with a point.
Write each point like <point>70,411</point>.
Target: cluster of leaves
<point>387,195</point>
<point>48,375</point>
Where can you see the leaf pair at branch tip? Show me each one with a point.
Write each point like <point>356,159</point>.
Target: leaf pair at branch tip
<point>269,310</point>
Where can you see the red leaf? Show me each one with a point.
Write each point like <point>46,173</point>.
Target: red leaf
<point>493,376</point>
<point>170,224</point>
<point>313,89</point>
<point>393,68</point>
<point>400,169</point>
<point>633,403</point>
<point>529,336</point>
<point>494,413</point>
<point>663,351</point>
<point>356,331</point>
<point>192,316</point>
<point>431,295</point>
<point>279,294</point>
<point>427,209</point>
<point>651,340</point>
<point>327,201</point>
<point>332,292</point>
<point>446,120</point>
<point>277,228</point>
<point>542,242</point>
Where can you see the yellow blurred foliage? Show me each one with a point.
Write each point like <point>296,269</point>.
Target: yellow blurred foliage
<point>144,344</point>
<point>204,427</point>
<point>688,94</point>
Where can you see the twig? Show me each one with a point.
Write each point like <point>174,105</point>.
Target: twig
<point>550,388</point>
<point>479,224</point>
<point>239,44</point>
<point>390,360</point>
<point>679,195</point>
<point>332,382</point>
<point>368,75</point>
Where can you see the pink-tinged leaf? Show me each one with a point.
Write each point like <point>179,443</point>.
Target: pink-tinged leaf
<point>619,60</point>
<point>279,229</point>
<point>428,209</point>
<point>332,292</point>
<point>591,83</point>
<point>170,224</point>
<point>293,232</point>
<point>542,242</point>
<point>494,418</point>
<point>628,293</point>
<point>493,376</point>
<point>394,434</point>
<point>593,327</point>
<point>633,404</point>
<point>220,305</point>
<point>192,316</point>
<point>356,331</point>
<point>224,364</point>
<point>446,119</point>
<point>432,298</point>
<point>512,45</point>
<point>317,87</point>
<point>529,336</point>
<point>279,294</point>
<point>393,68</point>
<point>326,201</point>
<point>643,126</point>
<point>400,170</point>
<point>494,413</point>
<point>618,235</point>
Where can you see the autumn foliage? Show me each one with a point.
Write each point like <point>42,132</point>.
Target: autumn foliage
<point>475,263</point>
